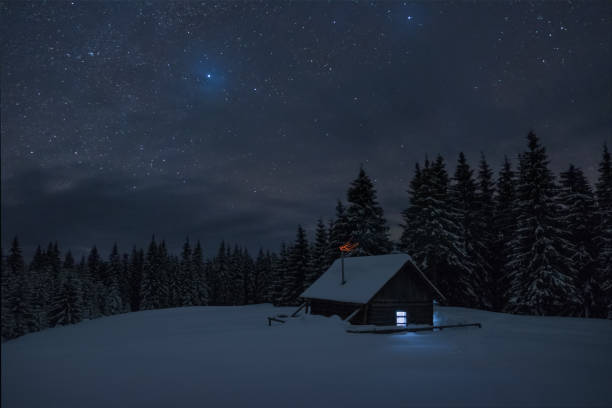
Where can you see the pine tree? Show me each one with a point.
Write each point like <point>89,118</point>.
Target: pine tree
<point>135,278</point>
<point>186,287</point>
<point>578,203</point>
<point>297,267</point>
<point>93,285</point>
<point>463,203</point>
<point>504,225</point>
<point>166,264</point>
<point>7,320</point>
<point>217,278</point>
<point>124,283</point>
<point>173,284</point>
<point>339,233</point>
<point>485,243</point>
<point>261,277</point>
<point>604,232</point>
<point>245,278</point>
<point>93,264</point>
<point>279,272</point>
<point>199,276</point>
<point>53,260</point>
<point>433,234</point>
<point>43,281</point>
<point>112,295</point>
<point>234,284</point>
<point>540,271</point>
<point>318,255</point>
<point>149,289</point>
<point>88,290</point>
<point>412,215</point>
<point>19,301</point>
<point>66,307</point>
<point>366,220</point>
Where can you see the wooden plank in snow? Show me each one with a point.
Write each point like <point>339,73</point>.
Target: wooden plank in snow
<point>411,329</point>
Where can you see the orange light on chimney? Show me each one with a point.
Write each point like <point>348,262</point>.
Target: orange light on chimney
<point>349,246</point>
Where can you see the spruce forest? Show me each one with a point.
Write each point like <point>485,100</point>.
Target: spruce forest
<point>518,240</point>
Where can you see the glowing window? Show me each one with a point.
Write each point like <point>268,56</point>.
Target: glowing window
<point>400,318</point>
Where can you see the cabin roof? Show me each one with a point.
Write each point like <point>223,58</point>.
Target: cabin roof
<point>364,276</point>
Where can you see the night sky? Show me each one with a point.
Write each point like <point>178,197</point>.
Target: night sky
<point>238,121</point>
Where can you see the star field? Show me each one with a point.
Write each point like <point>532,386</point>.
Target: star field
<point>238,121</point>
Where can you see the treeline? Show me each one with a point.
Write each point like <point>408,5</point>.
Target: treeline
<point>524,243</point>
<point>521,242</point>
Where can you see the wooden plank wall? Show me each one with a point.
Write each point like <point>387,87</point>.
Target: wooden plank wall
<point>382,312</point>
<point>331,307</point>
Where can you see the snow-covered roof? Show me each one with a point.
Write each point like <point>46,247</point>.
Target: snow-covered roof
<point>364,276</point>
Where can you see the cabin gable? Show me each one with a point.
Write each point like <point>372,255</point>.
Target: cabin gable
<point>406,292</point>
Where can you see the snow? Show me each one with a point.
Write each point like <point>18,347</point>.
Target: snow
<point>363,275</point>
<point>229,357</point>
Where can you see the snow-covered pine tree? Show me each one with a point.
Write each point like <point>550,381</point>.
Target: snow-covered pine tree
<point>66,306</point>
<point>68,268</point>
<point>540,271</point>
<point>19,301</point>
<point>366,218</point>
<point>43,283</point>
<point>198,268</point>
<point>166,264</point>
<point>339,233</point>
<point>235,275</point>
<point>436,241</point>
<point>217,277</point>
<point>463,203</point>
<point>90,310</point>
<point>412,215</point>
<point>95,288</point>
<point>503,225</point>
<point>266,294</point>
<point>604,232</point>
<point>124,283</point>
<point>186,284</point>
<point>101,290</point>
<point>68,262</point>
<point>485,242</point>
<point>135,278</point>
<point>113,304</point>
<point>297,266</point>
<point>7,320</point>
<point>53,260</point>
<point>579,220</point>
<point>279,272</point>
<point>318,255</point>
<point>149,289</point>
<point>259,279</point>
<point>174,282</point>
<point>244,278</point>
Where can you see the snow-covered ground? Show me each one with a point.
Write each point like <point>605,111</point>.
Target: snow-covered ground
<point>228,356</point>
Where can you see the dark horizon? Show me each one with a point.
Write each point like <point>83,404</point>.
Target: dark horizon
<point>239,121</point>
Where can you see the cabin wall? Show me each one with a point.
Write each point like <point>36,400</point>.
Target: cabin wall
<point>331,307</point>
<point>405,291</point>
<point>383,312</point>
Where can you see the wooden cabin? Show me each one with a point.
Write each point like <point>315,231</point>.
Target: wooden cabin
<point>380,290</point>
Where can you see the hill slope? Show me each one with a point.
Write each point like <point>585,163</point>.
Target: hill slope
<point>228,356</point>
